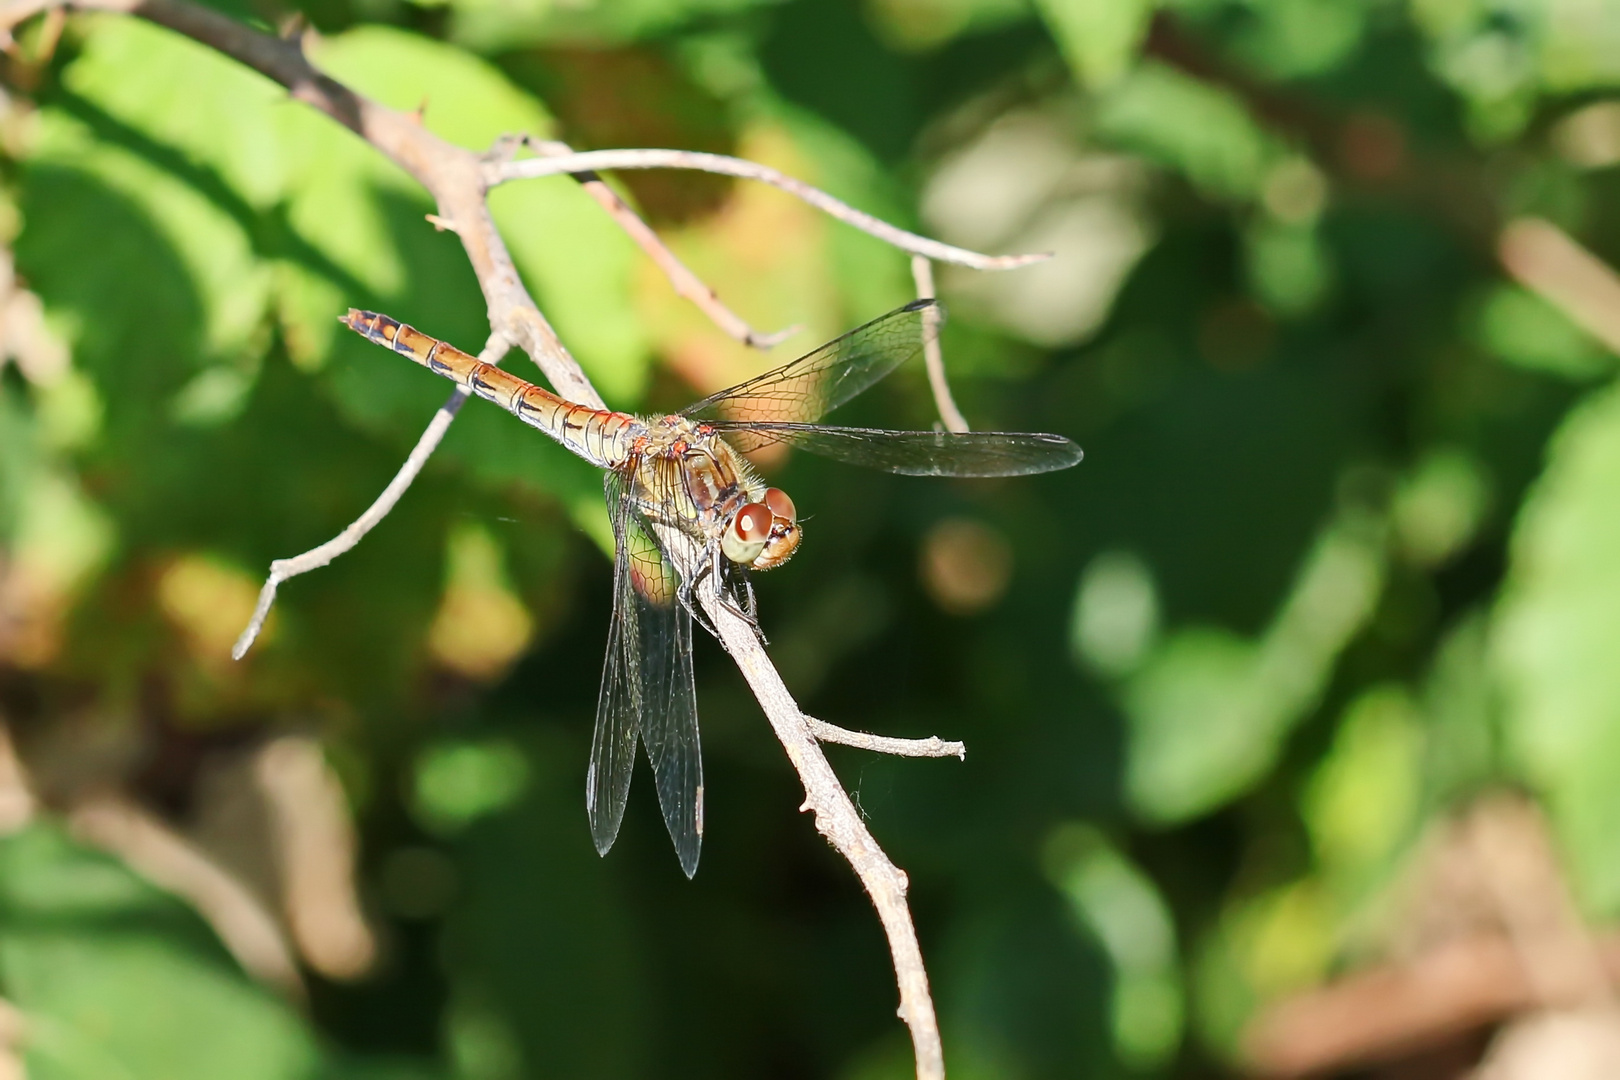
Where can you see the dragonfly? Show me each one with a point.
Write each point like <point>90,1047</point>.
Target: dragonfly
<point>686,474</point>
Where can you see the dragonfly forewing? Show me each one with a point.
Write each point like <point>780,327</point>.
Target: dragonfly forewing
<point>619,707</point>
<point>922,453</point>
<point>808,388</point>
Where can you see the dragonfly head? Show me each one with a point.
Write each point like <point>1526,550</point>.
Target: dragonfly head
<point>763,535</point>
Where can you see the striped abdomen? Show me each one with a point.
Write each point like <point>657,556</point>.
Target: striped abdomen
<point>599,436</point>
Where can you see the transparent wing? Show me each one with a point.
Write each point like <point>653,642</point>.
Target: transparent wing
<point>647,690</point>
<point>818,382</point>
<point>669,723</point>
<point>619,707</point>
<point>918,453</point>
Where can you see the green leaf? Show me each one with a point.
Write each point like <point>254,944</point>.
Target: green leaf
<point>1290,266</point>
<point>1120,906</point>
<point>1557,635</point>
<point>493,26</point>
<point>1098,38</point>
<point>1365,795</point>
<point>118,981</point>
<point>1520,328</point>
<point>869,274</point>
<point>459,782</point>
<point>1193,127</point>
<point>1208,711</point>
<point>1293,38</point>
<point>19,458</point>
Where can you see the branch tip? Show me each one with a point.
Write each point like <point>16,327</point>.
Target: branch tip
<point>933,746</point>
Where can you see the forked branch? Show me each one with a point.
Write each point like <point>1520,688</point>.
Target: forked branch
<point>459,180</point>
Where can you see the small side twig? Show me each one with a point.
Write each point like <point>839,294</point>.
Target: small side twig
<point>933,746</point>
<point>317,557</point>
<point>500,172</point>
<point>1550,263</point>
<point>922,272</point>
<point>686,284</point>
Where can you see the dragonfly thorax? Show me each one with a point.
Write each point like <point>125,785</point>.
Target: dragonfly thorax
<point>690,477</point>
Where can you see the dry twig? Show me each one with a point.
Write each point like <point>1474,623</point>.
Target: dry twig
<point>1549,262</point>
<point>687,284</point>
<point>459,180</point>
<point>836,816</point>
<point>500,172</point>
<point>317,557</point>
<point>922,272</point>
<point>1379,1013</point>
<point>933,746</point>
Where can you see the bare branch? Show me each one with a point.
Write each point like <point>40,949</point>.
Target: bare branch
<point>933,746</point>
<point>500,172</point>
<point>315,558</point>
<point>686,284</point>
<point>836,816</point>
<point>459,181</point>
<point>922,272</point>
<point>838,820</point>
<point>1547,261</point>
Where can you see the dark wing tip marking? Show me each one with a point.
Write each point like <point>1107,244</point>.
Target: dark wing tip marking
<point>924,304</point>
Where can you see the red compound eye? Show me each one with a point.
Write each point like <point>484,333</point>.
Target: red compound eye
<point>753,523</point>
<point>780,505</point>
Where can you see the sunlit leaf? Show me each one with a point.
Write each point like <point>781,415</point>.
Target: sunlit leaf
<point>1120,905</point>
<point>1557,633</point>
<point>1521,328</point>
<point>1366,794</point>
<point>1099,38</point>
<point>118,979</point>
<point>1208,710</point>
<point>1193,127</point>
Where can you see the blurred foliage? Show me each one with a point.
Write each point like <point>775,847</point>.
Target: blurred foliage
<point>1344,552</point>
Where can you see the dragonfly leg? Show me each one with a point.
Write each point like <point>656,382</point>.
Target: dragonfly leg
<point>736,582</point>
<point>683,595</point>
<point>713,564</point>
<point>745,586</point>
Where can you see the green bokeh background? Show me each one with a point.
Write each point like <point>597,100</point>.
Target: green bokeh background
<point>1344,551</point>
